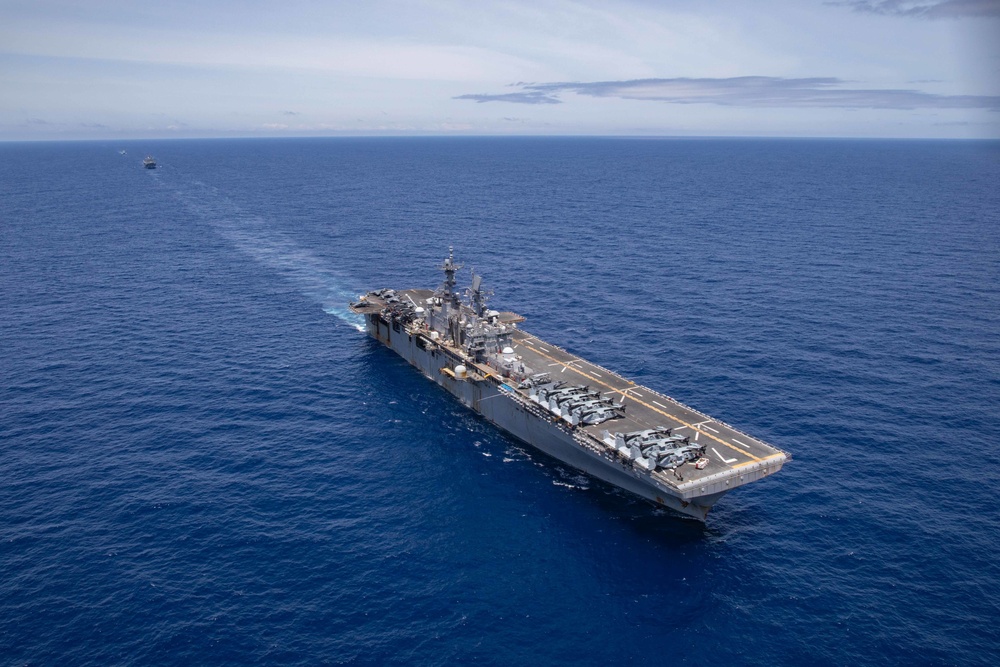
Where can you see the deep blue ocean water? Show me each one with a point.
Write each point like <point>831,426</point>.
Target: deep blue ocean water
<point>203,461</point>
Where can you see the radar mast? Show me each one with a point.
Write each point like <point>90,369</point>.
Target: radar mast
<point>450,268</point>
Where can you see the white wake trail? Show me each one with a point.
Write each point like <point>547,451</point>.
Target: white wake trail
<point>253,235</point>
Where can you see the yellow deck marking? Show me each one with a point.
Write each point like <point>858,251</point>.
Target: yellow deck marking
<point>749,463</point>
<point>665,414</point>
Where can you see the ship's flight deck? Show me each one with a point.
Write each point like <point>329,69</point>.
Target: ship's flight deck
<point>725,446</point>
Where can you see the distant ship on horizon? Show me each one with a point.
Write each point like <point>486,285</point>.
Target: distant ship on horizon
<point>148,162</point>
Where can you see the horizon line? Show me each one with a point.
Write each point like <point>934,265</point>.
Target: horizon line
<point>493,136</point>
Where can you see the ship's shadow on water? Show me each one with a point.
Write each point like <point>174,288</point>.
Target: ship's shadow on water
<point>641,516</point>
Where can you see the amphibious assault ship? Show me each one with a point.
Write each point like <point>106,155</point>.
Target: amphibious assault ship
<point>580,413</point>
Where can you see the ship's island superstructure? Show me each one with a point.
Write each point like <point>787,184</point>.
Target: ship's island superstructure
<point>573,410</point>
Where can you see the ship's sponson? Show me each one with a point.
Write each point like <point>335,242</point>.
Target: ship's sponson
<point>578,412</point>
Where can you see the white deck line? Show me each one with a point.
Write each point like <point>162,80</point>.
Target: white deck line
<point>721,457</point>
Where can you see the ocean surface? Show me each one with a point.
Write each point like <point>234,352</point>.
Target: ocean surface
<point>203,461</point>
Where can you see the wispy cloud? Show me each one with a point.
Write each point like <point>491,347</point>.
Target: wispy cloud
<point>525,97</point>
<point>925,9</point>
<point>745,91</point>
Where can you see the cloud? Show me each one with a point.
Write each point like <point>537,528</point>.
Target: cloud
<point>926,9</point>
<point>528,97</point>
<point>746,91</point>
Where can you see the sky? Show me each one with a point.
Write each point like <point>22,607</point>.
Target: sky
<point>123,69</point>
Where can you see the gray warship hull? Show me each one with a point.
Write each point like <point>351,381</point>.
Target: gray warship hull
<point>506,395</point>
